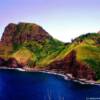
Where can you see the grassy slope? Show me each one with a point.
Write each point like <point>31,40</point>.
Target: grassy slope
<point>24,55</point>
<point>88,51</point>
<point>91,55</point>
<point>39,53</point>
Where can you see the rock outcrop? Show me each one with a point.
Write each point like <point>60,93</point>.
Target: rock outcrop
<point>2,61</point>
<point>70,65</point>
<point>11,63</point>
<point>22,32</point>
<point>7,37</point>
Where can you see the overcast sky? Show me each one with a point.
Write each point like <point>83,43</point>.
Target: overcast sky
<point>63,19</point>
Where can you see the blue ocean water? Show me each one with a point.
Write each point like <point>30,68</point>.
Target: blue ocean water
<point>16,85</point>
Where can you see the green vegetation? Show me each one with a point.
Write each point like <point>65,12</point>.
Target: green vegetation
<point>46,51</point>
<point>91,55</point>
<point>23,55</point>
<point>88,51</point>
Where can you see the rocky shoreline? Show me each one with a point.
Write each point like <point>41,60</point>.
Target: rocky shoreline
<point>65,76</point>
<point>68,67</point>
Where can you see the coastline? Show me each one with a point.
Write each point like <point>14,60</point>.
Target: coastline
<point>69,77</point>
<point>65,76</point>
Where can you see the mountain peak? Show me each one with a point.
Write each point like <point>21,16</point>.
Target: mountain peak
<point>21,32</point>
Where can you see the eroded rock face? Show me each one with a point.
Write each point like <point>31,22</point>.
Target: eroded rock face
<point>7,38</point>
<point>70,65</point>
<point>83,71</point>
<point>65,64</point>
<point>19,33</point>
<point>11,63</point>
<point>2,61</point>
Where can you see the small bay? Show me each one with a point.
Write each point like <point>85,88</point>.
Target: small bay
<point>17,85</point>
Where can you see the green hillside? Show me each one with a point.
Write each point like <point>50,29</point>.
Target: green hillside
<point>88,51</point>
<point>43,53</point>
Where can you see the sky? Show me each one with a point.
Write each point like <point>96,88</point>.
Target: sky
<point>63,19</point>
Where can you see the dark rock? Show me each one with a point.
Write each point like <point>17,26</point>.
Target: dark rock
<point>8,35</point>
<point>12,62</point>
<point>19,33</point>
<point>2,61</point>
<point>70,65</point>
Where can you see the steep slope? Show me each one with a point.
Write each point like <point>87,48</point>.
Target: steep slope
<point>69,64</point>
<point>34,39</point>
<point>19,33</point>
<point>23,55</point>
<point>87,49</point>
